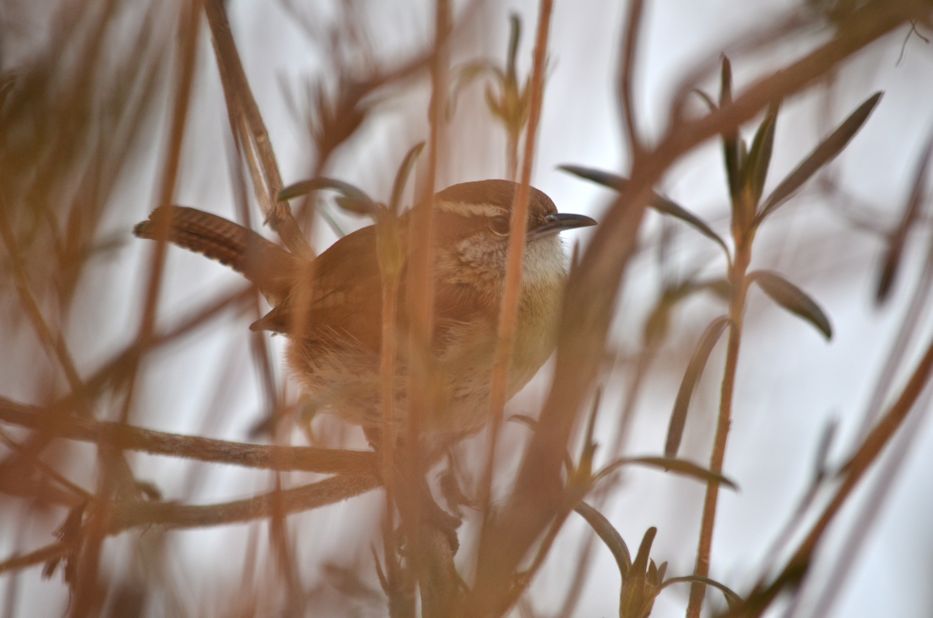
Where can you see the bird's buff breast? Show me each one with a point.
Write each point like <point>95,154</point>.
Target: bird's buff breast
<point>343,378</point>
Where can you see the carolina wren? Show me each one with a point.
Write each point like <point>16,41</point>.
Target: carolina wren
<point>334,350</point>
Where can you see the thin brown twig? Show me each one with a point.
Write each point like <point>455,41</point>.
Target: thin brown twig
<point>511,288</point>
<point>39,556</point>
<point>168,515</point>
<point>46,469</point>
<point>114,371</point>
<point>739,280</point>
<point>251,132</point>
<point>431,560</point>
<point>278,529</point>
<point>53,344</point>
<point>128,437</point>
<point>189,27</point>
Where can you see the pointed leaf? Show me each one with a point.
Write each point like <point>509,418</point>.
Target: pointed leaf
<point>380,574</point>
<point>515,36</point>
<point>730,146</point>
<point>495,107</point>
<point>658,202</point>
<point>589,445</point>
<point>706,99</point>
<point>896,241</point>
<point>606,179</point>
<point>401,176</point>
<point>668,464</point>
<point>356,200</point>
<point>822,450</point>
<point>759,159</point>
<point>608,534</point>
<point>792,298</point>
<point>675,429</point>
<point>732,597</point>
<point>640,564</point>
<point>825,152</point>
<point>725,82</point>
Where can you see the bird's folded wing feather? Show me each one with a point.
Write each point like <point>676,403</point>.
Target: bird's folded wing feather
<point>346,290</point>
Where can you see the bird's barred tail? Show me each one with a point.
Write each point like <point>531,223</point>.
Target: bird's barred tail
<point>263,262</point>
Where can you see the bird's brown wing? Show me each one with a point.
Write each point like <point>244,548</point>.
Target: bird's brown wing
<point>346,290</point>
<point>343,288</point>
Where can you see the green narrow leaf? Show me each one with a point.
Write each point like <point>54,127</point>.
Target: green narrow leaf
<point>668,464</point>
<point>730,142</point>
<point>401,176</point>
<point>608,534</point>
<point>496,108</point>
<point>658,202</point>
<point>725,82</point>
<point>380,574</point>
<point>895,249</point>
<point>821,466</point>
<point>826,151</point>
<point>759,159</point>
<point>589,445</point>
<point>732,597</point>
<point>675,429</point>
<point>640,589</point>
<point>792,298</point>
<point>640,564</point>
<point>706,99</point>
<point>356,200</point>
<point>515,36</point>
<point>606,179</point>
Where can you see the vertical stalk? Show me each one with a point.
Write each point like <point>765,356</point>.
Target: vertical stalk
<point>511,287</point>
<point>511,153</point>
<point>428,554</point>
<point>737,276</point>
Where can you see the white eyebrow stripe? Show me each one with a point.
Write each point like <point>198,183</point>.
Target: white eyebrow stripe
<point>468,208</point>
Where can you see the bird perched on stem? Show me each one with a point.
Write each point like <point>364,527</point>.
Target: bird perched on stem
<point>331,308</point>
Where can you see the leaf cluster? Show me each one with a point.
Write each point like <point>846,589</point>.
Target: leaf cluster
<point>747,167</point>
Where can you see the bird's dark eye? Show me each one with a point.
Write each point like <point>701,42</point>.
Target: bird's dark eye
<point>499,225</point>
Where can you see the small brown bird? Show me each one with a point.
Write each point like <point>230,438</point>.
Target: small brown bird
<point>331,308</point>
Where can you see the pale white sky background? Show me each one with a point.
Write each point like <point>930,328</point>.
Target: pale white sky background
<point>791,382</point>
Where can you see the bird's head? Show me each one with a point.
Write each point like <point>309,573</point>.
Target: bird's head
<point>473,222</point>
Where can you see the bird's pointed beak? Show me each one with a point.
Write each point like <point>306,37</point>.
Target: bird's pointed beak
<point>559,222</point>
